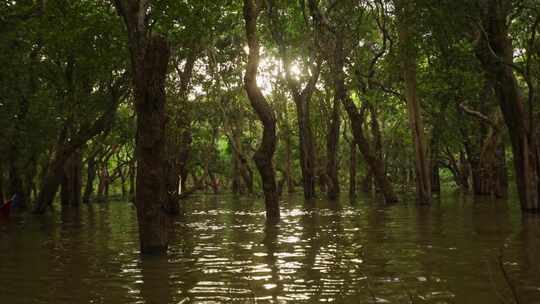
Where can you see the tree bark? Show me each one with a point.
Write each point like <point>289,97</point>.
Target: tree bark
<point>495,52</point>
<point>72,180</point>
<point>65,149</point>
<point>302,100</point>
<point>150,196</point>
<point>373,162</point>
<point>332,150</point>
<point>352,169</point>
<point>90,178</point>
<point>264,154</point>
<point>288,158</point>
<point>149,58</point>
<point>307,147</point>
<point>408,58</point>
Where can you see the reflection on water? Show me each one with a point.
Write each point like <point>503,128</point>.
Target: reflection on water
<point>222,251</point>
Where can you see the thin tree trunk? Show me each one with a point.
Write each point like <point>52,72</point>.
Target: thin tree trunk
<point>264,154</point>
<point>372,161</point>
<point>408,58</point>
<point>352,169</point>
<point>307,147</point>
<point>90,177</point>
<point>236,187</point>
<point>288,161</point>
<point>132,171</point>
<point>367,182</point>
<point>332,149</point>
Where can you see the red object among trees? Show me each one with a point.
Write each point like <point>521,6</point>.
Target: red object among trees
<point>5,209</point>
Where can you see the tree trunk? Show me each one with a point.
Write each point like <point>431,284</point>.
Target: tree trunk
<point>236,187</point>
<point>122,176</point>
<point>352,169</point>
<point>241,159</point>
<point>90,177</point>
<point>408,58</point>
<point>332,148</point>
<point>70,193</point>
<point>435,177</point>
<point>367,182</point>
<point>149,58</point>
<point>132,171</point>
<point>103,183</point>
<point>373,162</point>
<point>288,162</point>
<point>52,180</point>
<point>264,154</point>
<point>306,145</point>
<point>65,148</point>
<point>495,52</point>
<point>150,196</point>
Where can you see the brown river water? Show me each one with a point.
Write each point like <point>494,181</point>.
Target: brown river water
<point>221,251</point>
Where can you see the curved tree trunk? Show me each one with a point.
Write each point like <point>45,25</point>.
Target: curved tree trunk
<point>264,154</point>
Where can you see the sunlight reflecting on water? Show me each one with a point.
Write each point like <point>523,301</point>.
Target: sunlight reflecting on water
<point>222,251</point>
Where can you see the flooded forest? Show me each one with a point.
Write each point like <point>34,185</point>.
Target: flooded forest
<point>269,151</point>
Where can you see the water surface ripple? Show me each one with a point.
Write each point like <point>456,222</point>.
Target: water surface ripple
<point>222,252</point>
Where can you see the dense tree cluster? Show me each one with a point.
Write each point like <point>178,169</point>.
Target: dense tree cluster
<point>159,99</point>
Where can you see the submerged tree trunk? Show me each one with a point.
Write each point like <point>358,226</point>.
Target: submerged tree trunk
<point>352,169</point>
<point>72,180</point>
<point>486,155</point>
<point>495,52</point>
<point>103,183</point>
<point>435,177</point>
<point>302,100</point>
<point>236,187</point>
<point>52,179</point>
<point>288,163</point>
<point>65,149</point>
<point>149,58</point>
<point>332,149</point>
<point>90,178</point>
<point>132,172</point>
<point>150,196</point>
<point>373,162</point>
<point>264,154</point>
<point>307,145</point>
<point>408,58</point>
